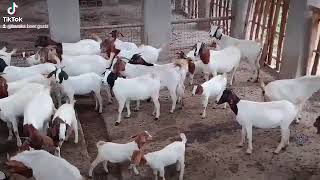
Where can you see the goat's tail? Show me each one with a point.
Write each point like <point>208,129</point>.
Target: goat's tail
<point>100,143</point>
<point>96,37</point>
<point>183,137</point>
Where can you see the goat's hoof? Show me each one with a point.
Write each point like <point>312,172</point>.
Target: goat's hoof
<point>240,145</point>
<point>127,117</point>
<point>249,151</point>
<point>9,138</point>
<point>19,144</point>
<point>171,112</point>
<point>136,110</point>
<point>76,142</point>
<point>110,102</point>
<point>276,152</point>
<point>156,119</point>
<point>117,124</point>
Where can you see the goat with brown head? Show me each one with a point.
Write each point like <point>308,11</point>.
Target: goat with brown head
<point>36,140</point>
<point>201,50</point>
<point>44,41</point>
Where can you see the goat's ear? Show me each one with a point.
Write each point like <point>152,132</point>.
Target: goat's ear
<point>136,157</point>
<point>65,75</point>
<point>51,74</point>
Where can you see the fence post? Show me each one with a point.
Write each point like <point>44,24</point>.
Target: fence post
<point>239,12</point>
<point>157,22</point>
<point>64,20</point>
<point>178,5</point>
<point>296,43</point>
<point>204,12</point>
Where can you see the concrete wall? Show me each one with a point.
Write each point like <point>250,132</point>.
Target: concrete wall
<point>64,20</point>
<point>157,20</point>
<point>239,12</point>
<point>296,44</point>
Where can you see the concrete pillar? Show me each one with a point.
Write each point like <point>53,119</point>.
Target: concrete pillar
<point>239,11</point>
<point>297,41</point>
<point>157,22</point>
<point>64,20</point>
<point>204,12</point>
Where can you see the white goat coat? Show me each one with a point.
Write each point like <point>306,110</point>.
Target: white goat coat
<point>214,87</point>
<point>296,91</point>
<point>266,114</point>
<point>82,47</point>
<point>225,60</point>
<point>115,152</point>
<point>14,73</point>
<point>82,84</point>
<point>15,86</point>
<point>14,105</point>
<point>144,87</point>
<point>39,110</point>
<point>48,167</point>
<point>76,65</point>
<point>148,53</point>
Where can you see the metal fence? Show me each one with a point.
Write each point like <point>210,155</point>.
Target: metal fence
<point>125,16</point>
<point>266,22</point>
<point>188,28</point>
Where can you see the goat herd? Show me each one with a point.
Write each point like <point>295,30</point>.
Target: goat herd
<point>43,94</point>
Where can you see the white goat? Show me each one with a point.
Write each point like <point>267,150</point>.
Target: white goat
<point>148,53</point>
<point>261,115</point>
<point>296,91</point>
<point>250,50</point>
<point>117,153</point>
<point>212,88</point>
<point>222,61</point>
<point>80,85</point>
<point>7,56</point>
<point>138,88</point>
<point>199,67</point>
<point>76,65</point>
<point>39,111</point>
<point>13,107</point>
<point>65,121</point>
<point>173,153</point>
<point>171,75</point>
<point>45,166</point>
<point>15,86</point>
<point>14,73</point>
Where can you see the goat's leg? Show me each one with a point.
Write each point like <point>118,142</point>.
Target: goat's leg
<point>162,173</point>
<point>128,109</point>
<point>181,169</point>
<point>121,106</point>
<point>105,166</point>
<point>9,125</point>
<point>282,142</point>
<point>173,98</point>
<point>109,97</point>
<point>16,131</point>
<point>138,106</point>
<point>156,106</point>
<point>232,76</point>
<point>249,137</point>
<point>98,95</point>
<point>191,79</point>
<point>155,173</point>
<point>243,137</point>
<point>206,76</point>
<point>96,102</point>
<point>94,164</point>
<point>75,129</point>
<point>134,168</point>
<point>205,104</point>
